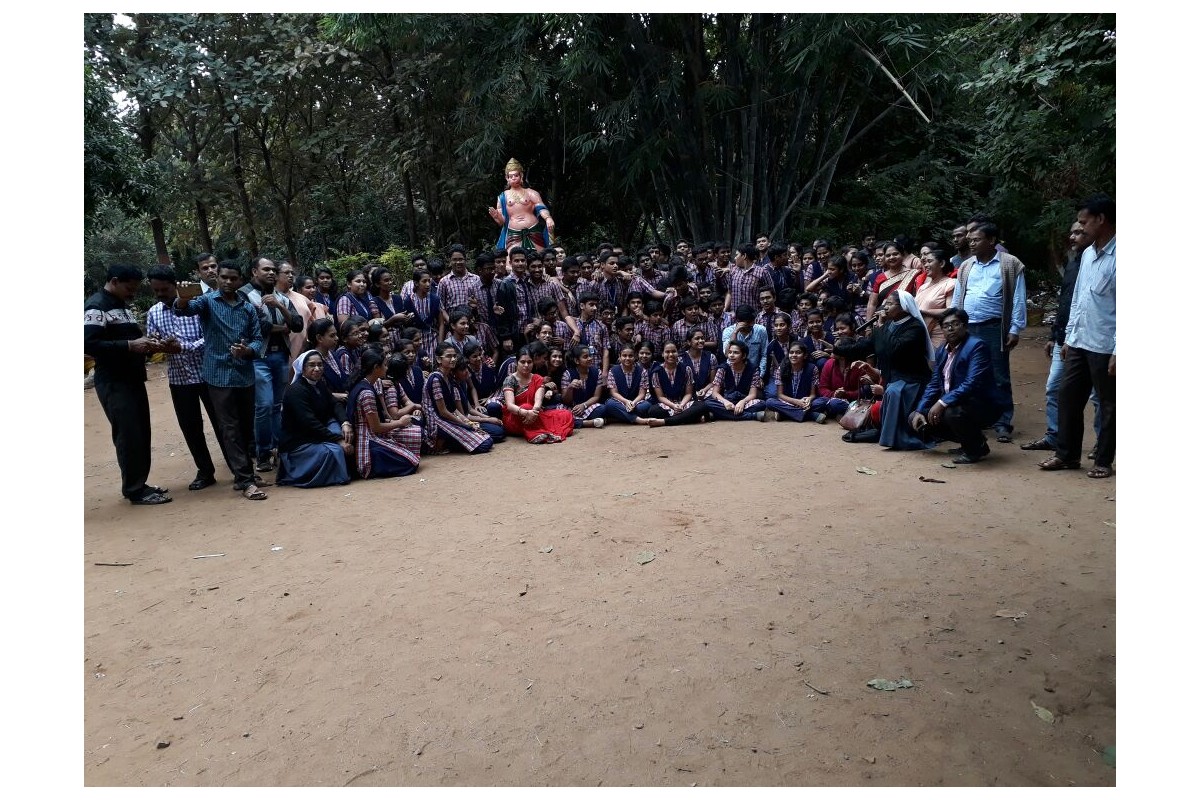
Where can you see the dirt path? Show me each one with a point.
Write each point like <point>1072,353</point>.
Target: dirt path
<point>416,631</point>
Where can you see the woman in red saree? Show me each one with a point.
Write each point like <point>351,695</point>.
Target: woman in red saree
<point>523,412</point>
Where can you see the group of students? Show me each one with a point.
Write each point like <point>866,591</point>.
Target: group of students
<point>537,344</point>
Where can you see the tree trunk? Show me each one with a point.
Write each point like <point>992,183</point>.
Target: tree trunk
<point>202,227</point>
<point>239,179</point>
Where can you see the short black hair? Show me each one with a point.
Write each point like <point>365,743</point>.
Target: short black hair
<point>960,313</point>
<point>162,273</point>
<point>1100,204</point>
<point>123,272</point>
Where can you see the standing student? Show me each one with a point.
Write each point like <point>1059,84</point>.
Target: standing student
<point>582,388</point>
<point>111,336</point>
<point>796,382</point>
<point>737,387</point>
<point>592,332</point>
<point>233,338</point>
<point>446,425</point>
<point>183,341</point>
<point>675,389</point>
<point>428,316</point>
<point>384,447</point>
<point>628,385</point>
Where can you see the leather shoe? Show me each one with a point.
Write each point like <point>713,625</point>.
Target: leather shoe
<point>1038,444</point>
<point>201,482</point>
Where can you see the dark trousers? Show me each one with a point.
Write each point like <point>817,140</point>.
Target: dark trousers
<point>964,424</point>
<point>187,399</point>
<point>993,335</point>
<point>128,410</point>
<point>693,413</point>
<point>233,408</point>
<point>1084,371</point>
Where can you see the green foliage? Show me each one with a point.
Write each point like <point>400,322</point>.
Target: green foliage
<point>305,136</point>
<point>399,261</point>
<point>340,266</point>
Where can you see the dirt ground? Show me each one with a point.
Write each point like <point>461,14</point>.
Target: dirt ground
<point>485,622</point>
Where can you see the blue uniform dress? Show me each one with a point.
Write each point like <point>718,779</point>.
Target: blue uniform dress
<point>427,311</point>
<point>735,387</point>
<point>393,454</point>
<point>674,388</point>
<point>576,396</point>
<point>462,392</point>
<point>703,370</point>
<point>450,432</point>
<point>628,385</point>
<point>797,385</point>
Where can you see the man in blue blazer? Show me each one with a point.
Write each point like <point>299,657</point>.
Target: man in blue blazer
<point>961,397</point>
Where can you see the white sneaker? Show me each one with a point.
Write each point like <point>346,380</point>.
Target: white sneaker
<point>598,422</point>
<point>761,416</point>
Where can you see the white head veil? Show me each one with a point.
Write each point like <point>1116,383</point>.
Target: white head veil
<point>298,364</point>
<point>909,304</point>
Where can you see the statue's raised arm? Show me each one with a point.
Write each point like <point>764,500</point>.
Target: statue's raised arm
<point>522,216</point>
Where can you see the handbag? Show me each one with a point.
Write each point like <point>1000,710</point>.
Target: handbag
<point>858,416</point>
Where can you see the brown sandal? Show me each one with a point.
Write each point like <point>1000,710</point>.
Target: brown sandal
<point>1054,463</point>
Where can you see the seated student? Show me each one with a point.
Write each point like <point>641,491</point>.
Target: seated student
<point>446,425</point>
<point>777,348</point>
<point>524,410</point>
<point>628,385</point>
<point>831,308</point>
<point>556,367</point>
<point>322,337</point>
<point>582,388</point>
<point>819,349</point>
<point>354,337</point>
<point>797,398</point>
<point>655,329</point>
<point>736,387</point>
<point>720,319</point>
<point>841,382</point>
<point>805,303</point>
<point>560,330</point>
<point>424,360</point>
<point>961,397</point>
<point>674,386</point>
<point>702,362</point>
<point>754,336</point>
<point>315,438</point>
<point>412,379</point>
<point>396,401</point>
<point>647,358</point>
<point>468,402</point>
<point>383,447</point>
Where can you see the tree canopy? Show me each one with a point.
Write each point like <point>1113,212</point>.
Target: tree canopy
<point>311,136</point>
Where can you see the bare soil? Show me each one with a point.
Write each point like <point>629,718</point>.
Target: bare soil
<point>485,622</point>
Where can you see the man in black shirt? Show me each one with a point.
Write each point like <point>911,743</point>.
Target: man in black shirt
<point>111,336</point>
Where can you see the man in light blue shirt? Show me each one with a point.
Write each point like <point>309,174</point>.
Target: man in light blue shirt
<point>755,337</point>
<point>1089,350</point>
<point>991,289</point>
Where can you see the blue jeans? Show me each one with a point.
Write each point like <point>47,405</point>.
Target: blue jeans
<point>993,336</point>
<point>1053,381</point>
<point>270,379</point>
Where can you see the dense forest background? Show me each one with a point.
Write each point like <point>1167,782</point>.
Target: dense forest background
<point>318,137</point>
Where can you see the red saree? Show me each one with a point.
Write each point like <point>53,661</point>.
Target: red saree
<point>559,422</point>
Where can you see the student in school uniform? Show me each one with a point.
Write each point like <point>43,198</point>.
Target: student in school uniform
<point>384,447</point>
<point>628,385</point>
<point>446,425</point>
<point>426,309</point>
<point>701,361</point>
<point>674,387</point>
<point>777,349</point>
<point>737,387</point>
<point>592,331</point>
<point>796,398</point>
<point>582,389</point>
<point>354,337</point>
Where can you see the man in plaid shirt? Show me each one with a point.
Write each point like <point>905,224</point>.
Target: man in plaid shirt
<point>184,343</point>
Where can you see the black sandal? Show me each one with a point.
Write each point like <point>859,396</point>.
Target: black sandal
<point>1054,463</point>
